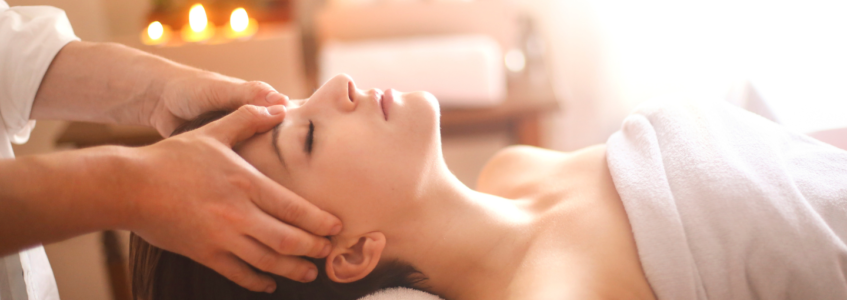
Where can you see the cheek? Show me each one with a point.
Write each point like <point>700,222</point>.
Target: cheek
<point>366,170</point>
<point>363,175</point>
<point>366,163</point>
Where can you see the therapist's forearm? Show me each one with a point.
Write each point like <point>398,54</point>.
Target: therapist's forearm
<point>107,83</point>
<point>47,198</point>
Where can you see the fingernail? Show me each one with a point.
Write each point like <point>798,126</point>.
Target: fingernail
<point>276,109</point>
<point>271,288</point>
<point>311,274</point>
<point>274,97</point>
<point>325,251</point>
<point>335,229</point>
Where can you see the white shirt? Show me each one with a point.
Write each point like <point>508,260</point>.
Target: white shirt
<point>30,37</point>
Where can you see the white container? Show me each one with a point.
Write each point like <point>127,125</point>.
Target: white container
<point>461,71</point>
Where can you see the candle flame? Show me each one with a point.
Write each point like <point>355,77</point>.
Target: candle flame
<point>239,20</point>
<point>155,30</point>
<point>197,18</point>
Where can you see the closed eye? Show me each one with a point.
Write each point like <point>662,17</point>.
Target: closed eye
<point>310,138</point>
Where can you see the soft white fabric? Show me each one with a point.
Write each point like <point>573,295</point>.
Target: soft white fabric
<point>29,39</point>
<point>401,294</point>
<point>40,283</point>
<point>836,137</point>
<point>30,36</point>
<point>727,205</point>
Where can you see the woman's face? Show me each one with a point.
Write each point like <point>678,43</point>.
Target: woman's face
<point>358,154</point>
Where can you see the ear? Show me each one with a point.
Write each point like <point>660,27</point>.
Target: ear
<point>352,260</point>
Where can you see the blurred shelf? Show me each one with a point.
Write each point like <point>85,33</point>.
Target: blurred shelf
<point>274,55</point>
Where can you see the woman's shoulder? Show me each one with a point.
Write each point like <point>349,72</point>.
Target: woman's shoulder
<point>510,170</point>
<point>574,194</point>
<point>523,171</point>
<point>520,157</point>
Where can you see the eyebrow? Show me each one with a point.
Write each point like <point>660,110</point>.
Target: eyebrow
<point>275,143</point>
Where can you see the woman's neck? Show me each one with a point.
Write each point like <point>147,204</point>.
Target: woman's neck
<point>467,243</point>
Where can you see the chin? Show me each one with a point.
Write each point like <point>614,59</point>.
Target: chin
<point>429,112</point>
<point>418,124</point>
<point>432,102</point>
<point>425,109</point>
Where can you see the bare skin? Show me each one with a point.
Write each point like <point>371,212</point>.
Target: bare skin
<point>543,225</point>
<point>582,237</point>
<point>189,194</point>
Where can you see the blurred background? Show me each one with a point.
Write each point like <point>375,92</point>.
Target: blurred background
<point>560,74</point>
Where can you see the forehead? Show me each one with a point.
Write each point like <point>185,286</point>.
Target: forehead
<point>292,108</point>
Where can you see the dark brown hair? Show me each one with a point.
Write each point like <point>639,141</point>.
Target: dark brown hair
<point>162,275</point>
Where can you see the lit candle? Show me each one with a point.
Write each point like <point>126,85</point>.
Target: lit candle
<point>156,34</point>
<point>198,28</point>
<point>241,25</point>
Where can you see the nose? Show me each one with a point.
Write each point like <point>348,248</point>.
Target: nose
<point>355,96</point>
<point>339,92</point>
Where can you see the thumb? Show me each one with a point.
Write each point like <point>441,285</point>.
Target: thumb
<point>244,123</point>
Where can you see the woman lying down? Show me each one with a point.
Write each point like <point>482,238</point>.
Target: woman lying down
<point>684,202</point>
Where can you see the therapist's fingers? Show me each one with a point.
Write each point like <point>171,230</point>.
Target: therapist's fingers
<point>290,208</point>
<point>234,93</point>
<point>239,272</point>
<point>267,260</point>
<point>286,239</point>
<point>244,123</point>
<point>256,93</point>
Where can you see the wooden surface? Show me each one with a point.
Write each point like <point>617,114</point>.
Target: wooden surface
<point>520,113</point>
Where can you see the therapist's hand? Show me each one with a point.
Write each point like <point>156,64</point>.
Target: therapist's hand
<point>198,198</point>
<point>185,98</point>
<point>112,83</point>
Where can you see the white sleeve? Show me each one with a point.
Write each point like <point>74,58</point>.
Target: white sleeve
<point>30,37</point>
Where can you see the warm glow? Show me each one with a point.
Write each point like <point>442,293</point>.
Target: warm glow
<point>239,20</point>
<point>156,34</point>
<point>197,18</point>
<point>241,26</point>
<point>155,30</point>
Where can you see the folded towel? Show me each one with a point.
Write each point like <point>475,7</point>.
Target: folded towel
<point>725,204</point>
<point>400,294</point>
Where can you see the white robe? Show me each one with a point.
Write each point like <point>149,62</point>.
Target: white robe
<point>29,39</point>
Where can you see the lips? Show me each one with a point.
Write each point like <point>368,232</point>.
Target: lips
<point>387,101</point>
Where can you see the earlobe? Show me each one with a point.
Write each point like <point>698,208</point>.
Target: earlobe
<point>356,259</point>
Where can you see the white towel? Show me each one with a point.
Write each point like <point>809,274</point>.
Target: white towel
<point>400,294</point>
<point>727,205</point>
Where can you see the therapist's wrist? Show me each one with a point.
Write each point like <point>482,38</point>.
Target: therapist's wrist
<point>186,97</point>
<point>169,76</point>
<point>105,182</point>
<point>122,195</point>
<point>190,85</point>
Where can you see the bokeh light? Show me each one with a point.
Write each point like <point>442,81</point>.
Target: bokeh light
<point>197,18</point>
<point>239,20</point>
<point>155,30</point>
